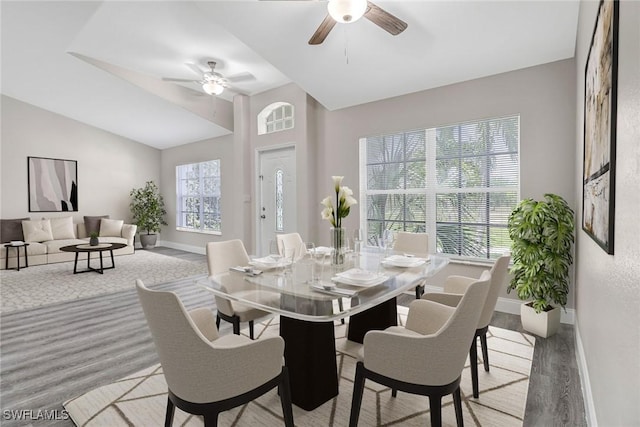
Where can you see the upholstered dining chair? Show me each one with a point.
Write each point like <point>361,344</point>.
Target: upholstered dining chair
<point>207,373</point>
<point>426,356</point>
<point>220,257</point>
<point>415,244</point>
<point>291,240</point>
<point>454,288</point>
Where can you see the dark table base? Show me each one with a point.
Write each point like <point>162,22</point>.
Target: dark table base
<point>376,318</point>
<point>89,268</point>
<point>310,356</point>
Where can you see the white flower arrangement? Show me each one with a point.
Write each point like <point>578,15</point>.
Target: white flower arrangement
<point>344,201</point>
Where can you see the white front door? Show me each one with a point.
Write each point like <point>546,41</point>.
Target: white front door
<point>277,195</point>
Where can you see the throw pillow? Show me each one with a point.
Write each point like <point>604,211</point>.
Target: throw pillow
<point>92,223</point>
<point>37,230</point>
<point>111,227</point>
<point>11,229</point>
<point>62,228</point>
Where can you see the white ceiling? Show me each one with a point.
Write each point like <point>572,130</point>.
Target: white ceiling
<point>122,50</point>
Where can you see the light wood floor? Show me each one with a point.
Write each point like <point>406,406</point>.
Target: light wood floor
<point>51,354</point>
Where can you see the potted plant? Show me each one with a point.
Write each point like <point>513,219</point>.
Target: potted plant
<point>93,238</point>
<point>147,207</point>
<point>542,235</point>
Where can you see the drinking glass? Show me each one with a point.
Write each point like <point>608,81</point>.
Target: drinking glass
<point>358,240</point>
<point>274,251</point>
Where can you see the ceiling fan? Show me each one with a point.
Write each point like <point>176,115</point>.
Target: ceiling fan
<point>347,11</point>
<point>212,82</point>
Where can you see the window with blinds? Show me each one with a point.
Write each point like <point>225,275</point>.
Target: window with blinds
<point>198,197</point>
<point>458,183</point>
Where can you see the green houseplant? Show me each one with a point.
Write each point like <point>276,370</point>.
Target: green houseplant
<point>147,208</point>
<point>542,235</point>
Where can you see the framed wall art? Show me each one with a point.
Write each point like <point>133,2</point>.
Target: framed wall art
<point>53,185</point>
<point>600,99</point>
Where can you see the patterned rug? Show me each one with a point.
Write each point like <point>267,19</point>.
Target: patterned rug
<point>48,284</point>
<point>140,399</point>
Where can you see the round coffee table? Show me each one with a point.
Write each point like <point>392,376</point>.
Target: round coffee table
<point>88,249</point>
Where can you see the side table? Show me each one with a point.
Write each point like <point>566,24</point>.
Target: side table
<point>17,247</point>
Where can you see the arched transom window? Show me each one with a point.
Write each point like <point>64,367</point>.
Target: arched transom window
<point>275,117</point>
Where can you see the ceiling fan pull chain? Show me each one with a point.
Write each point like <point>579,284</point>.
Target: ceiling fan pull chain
<point>346,44</point>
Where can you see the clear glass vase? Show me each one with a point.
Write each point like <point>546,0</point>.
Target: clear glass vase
<point>338,236</point>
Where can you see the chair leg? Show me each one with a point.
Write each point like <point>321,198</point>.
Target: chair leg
<point>457,404</point>
<point>171,409</point>
<point>485,351</point>
<point>218,321</point>
<point>358,389</point>
<point>251,329</point>
<point>285,398</point>
<point>340,307</point>
<point>211,420</point>
<point>394,392</point>
<point>473,361</point>
<point>236,325</point>
<point>435,409</point>
<point>419,291</point>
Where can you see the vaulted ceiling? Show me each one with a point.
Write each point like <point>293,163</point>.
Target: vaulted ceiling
<point>103,63</point>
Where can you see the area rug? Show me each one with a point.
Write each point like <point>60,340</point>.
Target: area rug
<point>140,399</point>
<point>47,284</point>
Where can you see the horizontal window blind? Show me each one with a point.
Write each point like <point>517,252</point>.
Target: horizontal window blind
<point>458,183</point>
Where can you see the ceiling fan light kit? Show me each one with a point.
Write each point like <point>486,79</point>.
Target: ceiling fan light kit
<point>345,11</point>
<point>348,11</point>
<point>212,87</point>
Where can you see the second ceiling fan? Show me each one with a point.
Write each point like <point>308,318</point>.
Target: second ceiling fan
<point>347,11</point>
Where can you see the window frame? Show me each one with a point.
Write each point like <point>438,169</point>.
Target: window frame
<point>432,189</point>
<point>180,226</point>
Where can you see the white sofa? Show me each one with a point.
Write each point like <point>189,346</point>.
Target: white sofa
<point>47,236</point>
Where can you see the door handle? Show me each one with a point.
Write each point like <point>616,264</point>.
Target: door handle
<point>263,216</point>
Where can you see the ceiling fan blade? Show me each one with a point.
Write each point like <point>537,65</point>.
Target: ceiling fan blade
<point>195,68</point>
<point>323,30</point>
<point>168,79</point>
<point>241,77</point>
<point>384,19</point>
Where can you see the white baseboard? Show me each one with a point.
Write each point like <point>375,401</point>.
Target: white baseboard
<point>189,248</point>
<point>512,306</point>
<point>589,407</point>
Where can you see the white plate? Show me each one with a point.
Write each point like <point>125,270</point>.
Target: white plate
<point>268,263</point>
<point>403,261</point>
<point>321,250</point>
<point>378,279</point>
<point>358,275</point>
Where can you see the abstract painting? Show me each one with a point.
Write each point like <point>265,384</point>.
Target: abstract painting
<point>600,99</point>
<point>53,185</point>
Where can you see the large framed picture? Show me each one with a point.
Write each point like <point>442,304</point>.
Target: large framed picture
<point>600,99</point>
<point>53,185</point>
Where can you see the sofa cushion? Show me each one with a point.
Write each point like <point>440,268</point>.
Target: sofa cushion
<point>37,230</point>
<point>53,246</point>
<point>62,228</point>
<point>92,223</point>
<point>11,229</point>
<point>111,227</point>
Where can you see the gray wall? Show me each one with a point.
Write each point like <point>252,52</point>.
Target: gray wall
<point>109,166</point>
<point>217,148</point>
<point>608,286</point>
<point>544,96</point>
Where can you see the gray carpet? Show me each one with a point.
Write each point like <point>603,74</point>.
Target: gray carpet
<point>52,353</point>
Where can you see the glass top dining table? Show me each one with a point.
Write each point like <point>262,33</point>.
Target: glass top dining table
<point>311,295</point>
<point>311,289</point>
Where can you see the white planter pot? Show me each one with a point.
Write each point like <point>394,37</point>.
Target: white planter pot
<point>542,324</point>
